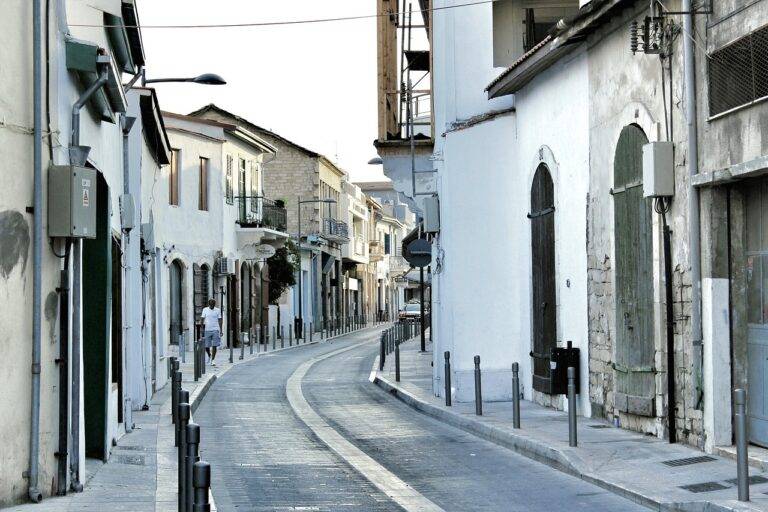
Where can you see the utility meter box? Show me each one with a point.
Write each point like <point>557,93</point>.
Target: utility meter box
<point>658,170</point>
<point>71,201</point>
<point>127,212</point>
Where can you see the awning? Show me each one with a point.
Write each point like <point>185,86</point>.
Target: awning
<point>84,58</point>
<point>118,39</point>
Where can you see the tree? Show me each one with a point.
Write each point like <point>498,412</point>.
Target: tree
<point>282,270</point>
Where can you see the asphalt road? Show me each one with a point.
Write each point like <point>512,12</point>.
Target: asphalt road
<point>264,457</point>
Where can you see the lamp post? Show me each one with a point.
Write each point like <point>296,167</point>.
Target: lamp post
<point>300,322</point>
<point>205,79</point>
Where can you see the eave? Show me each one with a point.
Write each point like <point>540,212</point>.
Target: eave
<point>118,40</point>
<point>85,58</point>
<point>153,126</point>
<point>131,22</point>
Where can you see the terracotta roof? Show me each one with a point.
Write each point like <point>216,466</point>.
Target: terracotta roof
<point>527,55</point>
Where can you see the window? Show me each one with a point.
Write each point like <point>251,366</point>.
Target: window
<point>254,187</point>
<point>202,197</point>
<point>173,178</point>
<point>738,74</point>
<point>241,190</point>
<point>229,191</point>
<point>386,243</point>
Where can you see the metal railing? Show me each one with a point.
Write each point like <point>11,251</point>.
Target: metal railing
<point>335,229</point>
<point>260,212</point>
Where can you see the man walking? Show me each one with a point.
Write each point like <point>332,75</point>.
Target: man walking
<point>212,327</point>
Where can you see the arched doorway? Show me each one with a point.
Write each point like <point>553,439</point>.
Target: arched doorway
<point>176,300</point>
<point>544,298</point>
<point>633,236</point>
<point>246,319</point>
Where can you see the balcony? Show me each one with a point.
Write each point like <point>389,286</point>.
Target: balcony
<point>375,250</point>
<point>260,212</point>
<point>335,230</point>
<point>260,221</point>
<point>398,264</point>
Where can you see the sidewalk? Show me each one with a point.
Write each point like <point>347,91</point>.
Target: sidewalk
<point>142,469</point>
<point>644,469</point>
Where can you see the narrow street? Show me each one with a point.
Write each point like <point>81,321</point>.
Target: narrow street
<point>265,458</point>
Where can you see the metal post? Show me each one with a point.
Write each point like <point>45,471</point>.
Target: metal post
<point>175,387</point>
<point>183,396</point>
<point>397,363</point>
<point>182,453</point>
<point>201,479</point>
<point>196,360</point>
<point>478,390</point>
<point>311,328</point>
<point>242,345</point>
<point>202,357</point>
<point>447,356</point>
<point>250,339</point>
<point>274,337</point>
<point>231,344</point>
<point>192,456</point>
<point>282,336</point>
<point>182,341</point>
<point>572,434</point>
<point>421,308</point>
<point>740,420</point>
<point>515,395</point>
<point>290,335</point>
<point>382,349</point>
<point>304,333</point>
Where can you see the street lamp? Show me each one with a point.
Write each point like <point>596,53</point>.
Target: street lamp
<point>205,79</point>
<point>376,161</point>
<point>299,326</point>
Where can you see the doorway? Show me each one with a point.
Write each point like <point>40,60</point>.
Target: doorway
<point>544,298</point>
<point>756,273</point>
<point>633,233</point>
<point>245,298</point>
<point>176,301</point>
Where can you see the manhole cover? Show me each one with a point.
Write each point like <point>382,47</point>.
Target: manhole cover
<point>688,461</point>
<point>753,480</point>
<point>704,487</point>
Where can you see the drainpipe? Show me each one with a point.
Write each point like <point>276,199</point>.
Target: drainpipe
<point>78,155</point>
<point>694,228</point>
<point>37,253</point>
<point>126,123</point>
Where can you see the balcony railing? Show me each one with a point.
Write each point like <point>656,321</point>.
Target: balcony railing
<point>260,212</point>
<point>335,230</point>
<point>398,264</point>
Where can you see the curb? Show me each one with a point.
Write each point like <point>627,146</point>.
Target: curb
<point>558,459</point>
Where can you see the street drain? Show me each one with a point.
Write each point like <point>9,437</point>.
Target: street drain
<point>687,462</point>
<point>704,487</point>
<point>133,460</point>
<point>753,480</point>
<point>599,426</point>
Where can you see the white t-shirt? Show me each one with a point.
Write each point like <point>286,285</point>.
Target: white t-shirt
<point>211,318</point>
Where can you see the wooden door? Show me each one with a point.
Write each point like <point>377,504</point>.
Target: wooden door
<point>634,351</point>
<point>544,299</point>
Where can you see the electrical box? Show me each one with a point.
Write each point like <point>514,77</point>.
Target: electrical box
<point>658,169</point>
<point>71,201</point>
<point>127,212</point>
<point>431,214</point>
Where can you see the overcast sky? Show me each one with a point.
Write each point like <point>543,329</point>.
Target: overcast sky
<point>313,84</point>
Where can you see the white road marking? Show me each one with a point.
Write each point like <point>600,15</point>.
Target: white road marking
<point>397,490</point>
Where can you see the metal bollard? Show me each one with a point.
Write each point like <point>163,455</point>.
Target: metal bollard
<point>183,398</point>
<point>397,363</point>
<point>182,341</point>
<point>201,479</point>
<point>572,434</point>
<point>202,357</point>
<point>196,361</point>
<point>242,345</point>
<point>382,349</point>
<point>175,387</point>
<point>478,389</point>
<point>304,333</point>
<point>515,395</point>
<point>290,335</point>
<point>311,328</point>
<point>231,344</point>
<point>742,468</point>
<point>184,411</point>
<point>250,340</point>
<point>282,337</point>
<point>447,356</point>
<point>192,456</point>
<point>274,338</point>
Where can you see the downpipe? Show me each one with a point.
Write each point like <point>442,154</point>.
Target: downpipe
<point>694,221</point>
<point>78,156</point>
<point>33,473</point>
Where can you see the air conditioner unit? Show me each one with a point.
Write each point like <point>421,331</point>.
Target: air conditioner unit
<point>225,266</point>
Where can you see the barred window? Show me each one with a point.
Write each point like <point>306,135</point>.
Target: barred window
<point>738,73</point>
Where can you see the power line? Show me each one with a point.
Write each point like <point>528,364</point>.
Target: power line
<point>285,22</point>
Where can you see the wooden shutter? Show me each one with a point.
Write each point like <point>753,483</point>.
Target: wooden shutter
<point>544,300</point>
<point>634,351</point>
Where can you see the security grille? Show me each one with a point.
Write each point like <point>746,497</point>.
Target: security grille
<point>688,461</point>
<point>738,73</point>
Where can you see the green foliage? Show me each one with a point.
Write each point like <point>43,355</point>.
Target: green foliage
<point>282,270</point>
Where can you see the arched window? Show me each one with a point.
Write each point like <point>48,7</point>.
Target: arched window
<point>543,296</point>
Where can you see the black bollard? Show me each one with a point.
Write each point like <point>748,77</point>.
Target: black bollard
<point>290,335</point>
<point>382,350</point>
<point>184,411</point>
<point>242,345</point>
<point>572,433</point>
<point>447,355</point>
<point>515,395</point>
<point>742,455</point>
<point>175,387</point>
<point>201,478</point>
<point>397,363</point>
<point>192,456</point>
<point>311,328</point>
<point>478,389</point>
<point>196,360</point>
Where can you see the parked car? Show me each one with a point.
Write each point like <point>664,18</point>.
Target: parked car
<point>412,311</point>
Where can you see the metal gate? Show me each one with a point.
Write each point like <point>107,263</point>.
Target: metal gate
<point>544,298</point>
<point>634,351</point>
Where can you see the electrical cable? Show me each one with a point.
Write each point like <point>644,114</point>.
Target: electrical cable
<point>283,22</point>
